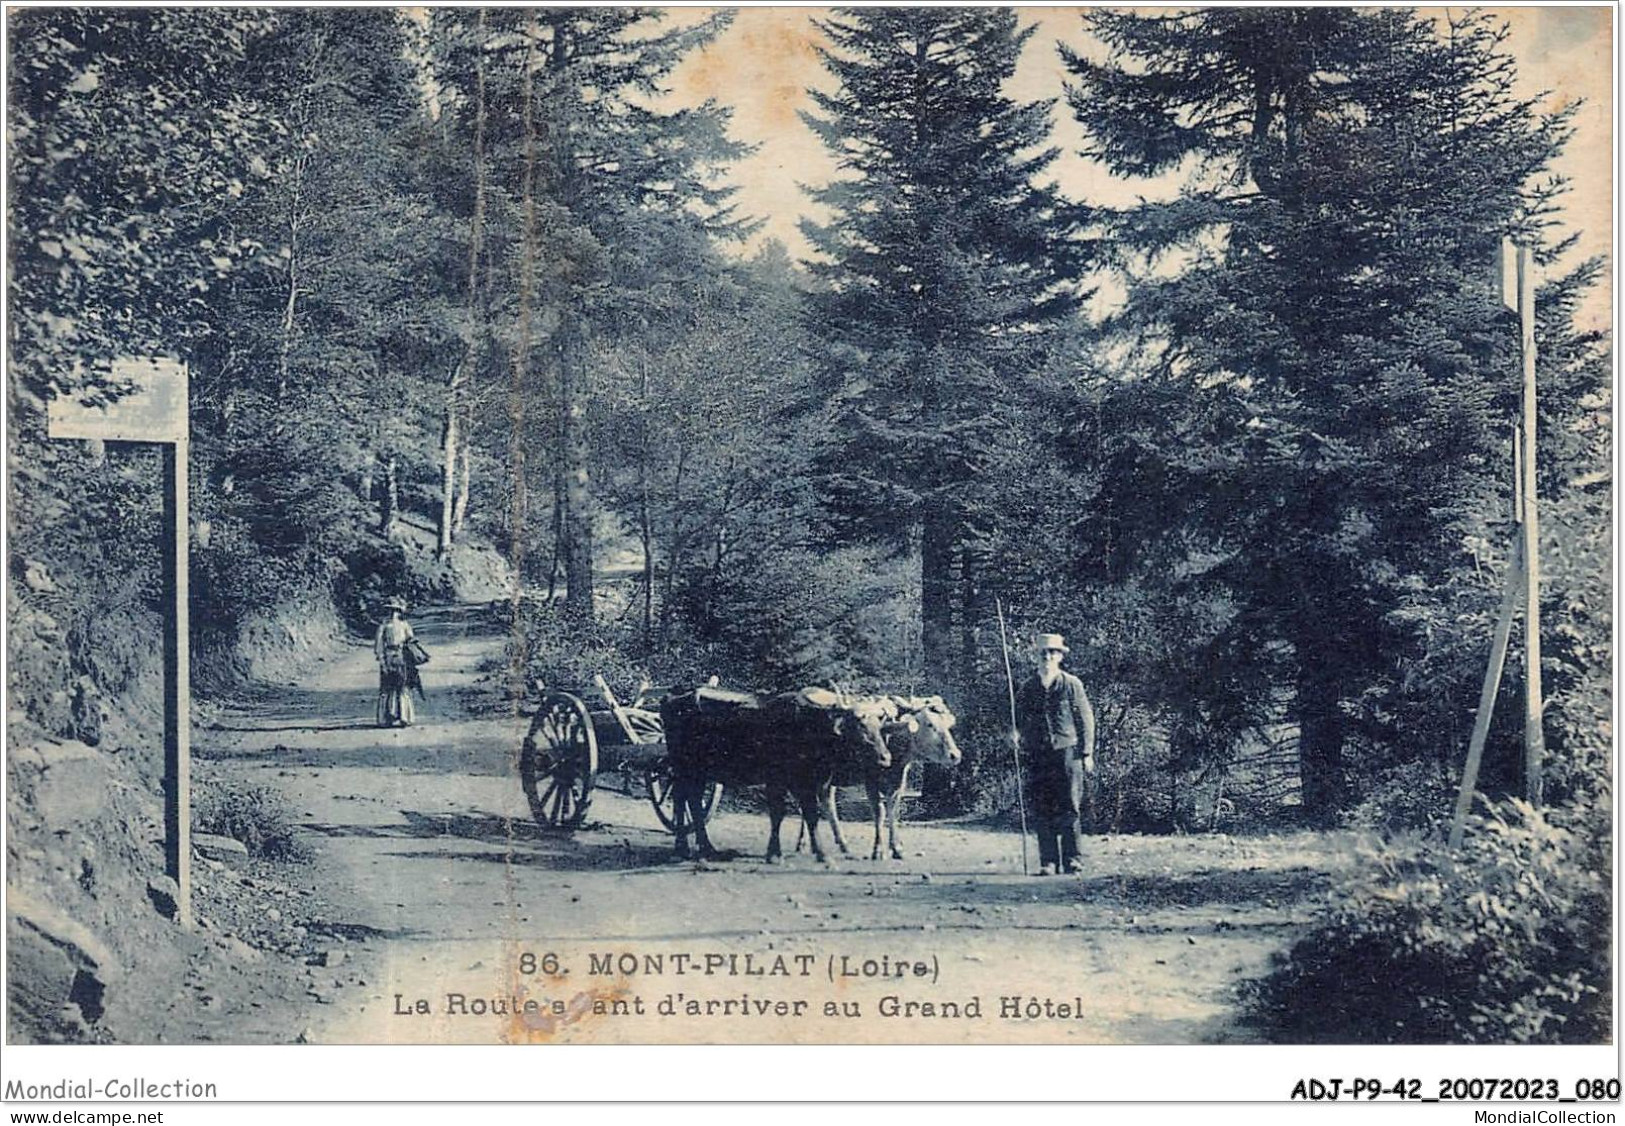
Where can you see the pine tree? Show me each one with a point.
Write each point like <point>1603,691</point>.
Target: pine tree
<point>943,267</point>
<point>1317,322</point>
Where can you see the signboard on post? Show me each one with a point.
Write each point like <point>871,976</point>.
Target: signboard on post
<point>1506,274</point>
<point>150,405</point>
<point>147,402</point>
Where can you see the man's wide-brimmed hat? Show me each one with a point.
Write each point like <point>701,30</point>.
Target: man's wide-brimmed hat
<point>1047,641</point>
<point>396,603</point>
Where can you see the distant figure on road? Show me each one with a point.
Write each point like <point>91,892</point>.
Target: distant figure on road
<point>1056,728</point>
<point>395,669</point>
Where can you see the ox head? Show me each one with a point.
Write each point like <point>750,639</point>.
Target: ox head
<point>859,725</point>
<point>927,722</point>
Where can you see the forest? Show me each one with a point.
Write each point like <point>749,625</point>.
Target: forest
<point>1246,442</point>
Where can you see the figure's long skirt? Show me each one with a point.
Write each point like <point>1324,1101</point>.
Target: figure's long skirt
<point>394,700</point>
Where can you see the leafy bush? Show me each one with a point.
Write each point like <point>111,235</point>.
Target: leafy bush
<point>792,617</point>
<point>1504,941</point>
<point>985,781</point>
<point>1579,741</point>
<point>565,655</point>
<point>374,571</point>
<point>1412,796</point>
<point>1139,792</point>
<point>257,816</point>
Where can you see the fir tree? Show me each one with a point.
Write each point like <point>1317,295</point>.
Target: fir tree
<point>943,267</point>
<point>1316,316</point>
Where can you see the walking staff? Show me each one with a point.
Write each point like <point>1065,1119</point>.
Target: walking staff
<point>1015,737</point>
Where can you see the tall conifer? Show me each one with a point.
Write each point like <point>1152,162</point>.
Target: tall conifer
<point>944,262</point>
<point>1318,295</point>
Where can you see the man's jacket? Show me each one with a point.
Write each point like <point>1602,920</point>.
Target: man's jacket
<point>1056,718</point>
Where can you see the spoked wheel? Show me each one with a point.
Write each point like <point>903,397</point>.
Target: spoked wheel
<point>559,762</point>
<point>657,780</point>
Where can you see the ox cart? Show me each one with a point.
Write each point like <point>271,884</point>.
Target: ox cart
<point>571,746</point>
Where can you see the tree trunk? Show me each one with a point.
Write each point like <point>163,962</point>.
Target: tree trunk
<point>448,466</point>
<point>970,617</point>
<point>578,545</point>
<point>645,519</point>
<point>557,557</point>
<point>476,226</point>
<point>1320,739</point>
<point>521,360</point>
<point>290,305</point>
<point>719,552</point>
<point>938,596</point>
<point>942,643</point>
<point>675,547</point>
<point>454,504</point>
<point>390,501</point>
<point>646,537</point>
<point>555,565</point>
<point>459,508</point>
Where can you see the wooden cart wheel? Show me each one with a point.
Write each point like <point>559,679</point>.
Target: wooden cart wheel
<point>657,780</point>
<point>558,762</point>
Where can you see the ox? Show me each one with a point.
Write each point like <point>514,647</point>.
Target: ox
<point>791,744</point>
<point>921,732</point>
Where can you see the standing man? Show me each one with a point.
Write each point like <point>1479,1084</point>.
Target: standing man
<point>1056,729</point>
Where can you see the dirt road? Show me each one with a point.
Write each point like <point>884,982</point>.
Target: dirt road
<point>465,923</point>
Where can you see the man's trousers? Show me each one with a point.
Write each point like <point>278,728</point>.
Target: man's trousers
<point>1058,780</point>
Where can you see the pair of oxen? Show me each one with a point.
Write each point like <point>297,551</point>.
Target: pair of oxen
<point>800,746</point>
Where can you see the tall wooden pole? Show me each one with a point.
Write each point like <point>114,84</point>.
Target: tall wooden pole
<point>177,679</point>
<point>1534,738</point>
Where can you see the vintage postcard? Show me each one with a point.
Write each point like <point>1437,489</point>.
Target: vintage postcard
<point>794,526</point>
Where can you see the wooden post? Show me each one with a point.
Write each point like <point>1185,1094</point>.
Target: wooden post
<point>1487,694</point>
<point>1534,737</point>
<point>1517,480</point>
<point>151,406</point>
<point>1512,591</point>
<point>177,679</point>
